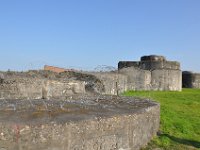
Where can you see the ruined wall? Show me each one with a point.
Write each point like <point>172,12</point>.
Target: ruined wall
<point>152,73</point>
<point>190,79</point>
<point>21,88</point>
<point>120,132</point>
<point>166,80</point>
<point>58,89</point>
<point>33,88</point>
<point>137,79</point>
<point>114,82</point>
<point>106,124</point>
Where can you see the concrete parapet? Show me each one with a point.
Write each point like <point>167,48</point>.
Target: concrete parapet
<point>137,79</point>
<point>34,88</point>
<point>114,82</point>
<point>166,80</point>
<point>151,73</point>
<point>93,123</point>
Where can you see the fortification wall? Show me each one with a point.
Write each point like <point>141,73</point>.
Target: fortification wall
<point>137,79</point>
<point>114,82</point>
<point>33,88</point>
<point>109,123</point>
<point>190,79</point>
<point>166,80</point>
<point>21,88</point>
<point>152,73</point>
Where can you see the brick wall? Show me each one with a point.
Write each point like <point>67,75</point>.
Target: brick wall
<point>54,69</point>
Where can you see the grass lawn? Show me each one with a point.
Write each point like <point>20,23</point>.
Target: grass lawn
<point>180,119</point>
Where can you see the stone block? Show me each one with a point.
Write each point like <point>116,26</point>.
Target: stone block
<point>88,123</point>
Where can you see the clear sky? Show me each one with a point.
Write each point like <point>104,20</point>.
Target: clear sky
<point>87,33</point>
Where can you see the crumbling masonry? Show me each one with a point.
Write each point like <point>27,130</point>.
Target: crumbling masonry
<point>150,73</point>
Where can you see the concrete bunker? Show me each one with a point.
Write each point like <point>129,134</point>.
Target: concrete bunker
<point>152,73</point>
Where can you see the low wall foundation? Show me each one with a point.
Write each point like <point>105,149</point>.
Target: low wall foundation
<point>90,123</point>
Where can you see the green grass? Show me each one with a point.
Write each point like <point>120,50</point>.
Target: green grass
<point>180,118</point>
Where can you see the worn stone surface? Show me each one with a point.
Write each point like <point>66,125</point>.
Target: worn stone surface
<point>92,83</point>
<point>152,73</point>
<point>190,79</point>
<point>114,82</point>
<point>21,88</point>
<point>138,79</point>
<point>166,79</point>
<point>101,123</point>
<point>34,88</point>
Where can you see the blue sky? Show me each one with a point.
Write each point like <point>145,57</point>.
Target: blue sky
<point>87,33</point>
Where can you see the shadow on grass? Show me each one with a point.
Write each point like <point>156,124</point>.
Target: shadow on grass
<point>195,144</point>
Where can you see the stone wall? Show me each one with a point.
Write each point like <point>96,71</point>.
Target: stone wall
<point>190,79</point>
<point>21,88</point>
<point>34,88</point>
<point>58,89</point>
<point>166,80</point>
<point>114,82</point>
<point>152,73</point>
<point>103,124</point>
<point>137,79</point>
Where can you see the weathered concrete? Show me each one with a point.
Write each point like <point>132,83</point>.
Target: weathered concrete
<point>34,88</point>
<point>166,79</point>
<point>190,79</point>
<point>114,82</point>
<point>152,73</point>
<point>89,123</point>
<point>138,79</point>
